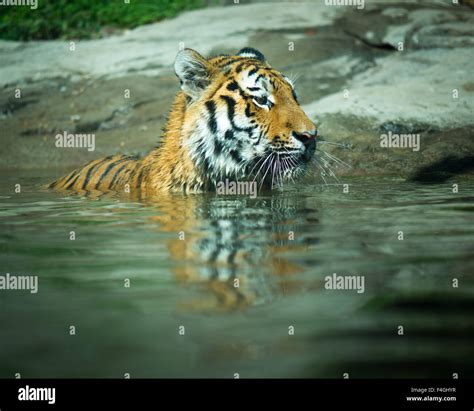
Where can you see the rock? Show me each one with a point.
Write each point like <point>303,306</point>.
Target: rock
<point>395,90</point>
<point>151,49</point>
<point>353,78</point>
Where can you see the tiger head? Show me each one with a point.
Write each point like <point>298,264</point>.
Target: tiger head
<point>242,118</point>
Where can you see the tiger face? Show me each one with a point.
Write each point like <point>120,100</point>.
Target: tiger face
<point>242,119</point>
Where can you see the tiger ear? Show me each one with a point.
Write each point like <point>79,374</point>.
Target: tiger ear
<point>193,72</point>
<point>251,53</point>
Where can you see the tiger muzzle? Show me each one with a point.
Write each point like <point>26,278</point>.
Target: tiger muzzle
<point>309,142</point>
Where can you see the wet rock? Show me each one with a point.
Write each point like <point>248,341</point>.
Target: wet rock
<point>447,35</point>
<point>443,169</point>
<point>426,86</point>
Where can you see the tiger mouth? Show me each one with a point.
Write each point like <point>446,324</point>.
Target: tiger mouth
<point>310,149</point>
<point>274,167</point>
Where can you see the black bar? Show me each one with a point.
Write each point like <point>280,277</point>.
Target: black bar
<point>318,394</point>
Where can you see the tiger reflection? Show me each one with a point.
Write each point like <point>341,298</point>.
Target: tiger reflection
<point>233,249</point>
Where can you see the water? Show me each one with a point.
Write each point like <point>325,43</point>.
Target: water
<point>182,256</point>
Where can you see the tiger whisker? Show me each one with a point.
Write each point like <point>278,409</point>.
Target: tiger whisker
<point>327,166</point>
<point>322,174</point>
<point>258,172</point>
<point>268,167</point>
<point>256,164</point>
<point>337,161</point>
<point>286,165</point>
<point>273,168</point>
<point>277,169</point>
<point>294,77</point>
<point>334,158</point>
<point>288,162</point>
<point>291,163</point>
<point>282,170</point>
<point>342,145</point>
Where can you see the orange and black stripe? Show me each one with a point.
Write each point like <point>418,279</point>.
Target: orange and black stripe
<point>108,173</point>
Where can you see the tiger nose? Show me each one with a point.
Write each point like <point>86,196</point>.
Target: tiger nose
<point>309,141</point>
<point>306,136</point>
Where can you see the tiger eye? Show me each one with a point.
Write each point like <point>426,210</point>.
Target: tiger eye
<point>261,100</point>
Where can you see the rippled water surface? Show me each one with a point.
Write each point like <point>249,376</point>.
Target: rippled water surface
<point>182,257</point>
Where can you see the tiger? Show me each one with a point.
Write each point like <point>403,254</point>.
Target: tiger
<point>235,118</point>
